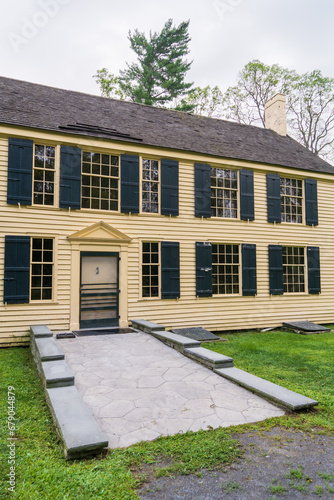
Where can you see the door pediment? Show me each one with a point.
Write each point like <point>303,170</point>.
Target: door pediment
<point>100,232</point>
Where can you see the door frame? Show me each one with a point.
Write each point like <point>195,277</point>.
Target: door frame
<point>99,237</point>
<point>114,321</point>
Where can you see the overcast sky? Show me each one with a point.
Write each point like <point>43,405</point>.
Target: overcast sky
<point>62,43</point>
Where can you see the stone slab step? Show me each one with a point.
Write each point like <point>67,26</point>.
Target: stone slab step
<point>274,392</point>
<point>40,331</point>
<point>76,426</point>
<point>56,374</point>
<point>208,358</point>
<point>305,326</point>
<point>196,333</point>
<point>146,326</point>
<point>178,342</point>
<point>48,349</point>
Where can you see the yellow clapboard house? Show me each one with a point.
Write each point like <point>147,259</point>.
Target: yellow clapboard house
<point>112,211</point>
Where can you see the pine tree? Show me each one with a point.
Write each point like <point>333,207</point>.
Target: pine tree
<point>159,75</point>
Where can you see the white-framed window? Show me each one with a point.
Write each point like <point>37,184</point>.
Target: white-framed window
<point>44,175</point>
<point>150,186</point>
<point>293,269</point>
<point>42,264</point>
<point>224,193</point>
<point>100,181</point>
<point>291,200</point>
<point>225,269</point>
<point>150,269</point>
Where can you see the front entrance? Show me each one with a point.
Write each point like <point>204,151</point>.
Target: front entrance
<point>99,290</point>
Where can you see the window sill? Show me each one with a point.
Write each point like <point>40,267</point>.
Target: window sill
<point>154,299</point>
<point>44,302</point>
<point>298,294</point>
<point>42,207</point>
<point>224,218</point>
<point>95,210</point>
<point>145,299</point>
<point>292,223</point>
<point>291,294</point>
<point>222,295</point>
<point>149,214</point>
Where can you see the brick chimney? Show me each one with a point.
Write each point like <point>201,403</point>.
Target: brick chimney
<point>275,114</point>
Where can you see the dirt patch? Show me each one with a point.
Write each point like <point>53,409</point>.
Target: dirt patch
<point>277,464</point>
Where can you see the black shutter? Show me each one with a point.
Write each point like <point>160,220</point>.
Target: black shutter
<point>19,184</point>
<point>313,267</point>
<point>70,177</point>
<point>273,198</point>
<point>248,269</point>
<point>129,184</point>
<point>169,187</point>
<point>203,269</point>
<point>275,269</point>
<point>202,190</point>
<point>170,270</point>
<point>311,202</point>
<point>246,179</point>
<point>17,270</point>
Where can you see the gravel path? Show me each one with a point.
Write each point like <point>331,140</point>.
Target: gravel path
<point>279,464</point>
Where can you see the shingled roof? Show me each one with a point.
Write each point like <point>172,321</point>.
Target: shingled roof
<point>40,107</point>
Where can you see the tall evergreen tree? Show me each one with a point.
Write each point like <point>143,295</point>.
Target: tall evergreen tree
<point>159,74</point>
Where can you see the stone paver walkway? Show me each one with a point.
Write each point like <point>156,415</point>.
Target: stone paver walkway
<point>139,389</point>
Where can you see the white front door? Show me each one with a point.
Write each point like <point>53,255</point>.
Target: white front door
<point>99,290</point>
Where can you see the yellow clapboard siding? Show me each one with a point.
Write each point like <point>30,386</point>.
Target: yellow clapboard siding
<point>216,313</point>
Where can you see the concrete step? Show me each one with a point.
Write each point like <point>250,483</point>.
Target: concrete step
<point>271,391</point>
<point>208,358</point>
<point>47,348</point>
<point>146,326</point>
<point>178,342</point>
<point>76,426</point>
<point>40,331</point>
<point>56,374</point>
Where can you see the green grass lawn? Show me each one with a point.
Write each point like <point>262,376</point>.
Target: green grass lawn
<point>301,363</point>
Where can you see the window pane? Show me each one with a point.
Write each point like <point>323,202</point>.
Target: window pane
<point>50,151</point>
<point>47,244</point>
<point>86,156</point>
<point>96,169</point>
<point>105,159</point>
<point>95,203</point>
<point>36,281</point>
<point>96,158</point>
<point>46,294</point>
<point>38,175</point>
<point>36,294</point>
<point>105,170</point>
